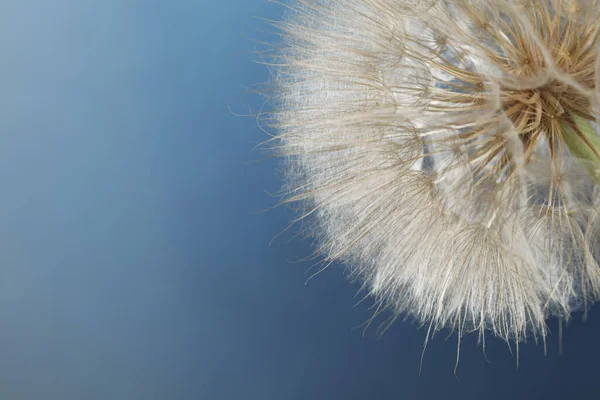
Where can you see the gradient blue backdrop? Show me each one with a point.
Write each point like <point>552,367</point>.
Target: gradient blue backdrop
<point>134,259</point>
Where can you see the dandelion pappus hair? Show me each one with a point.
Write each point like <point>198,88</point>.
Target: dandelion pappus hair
<point>445,152</point>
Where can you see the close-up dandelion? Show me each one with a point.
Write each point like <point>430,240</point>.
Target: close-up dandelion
<point>300,199</point>
<point>447,153</point>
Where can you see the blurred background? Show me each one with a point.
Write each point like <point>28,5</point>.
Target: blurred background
<point>134,246</point>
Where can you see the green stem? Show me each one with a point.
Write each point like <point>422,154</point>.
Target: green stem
<point>579,146</point>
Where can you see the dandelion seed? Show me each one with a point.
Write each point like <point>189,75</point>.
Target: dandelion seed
<point>447,152</point>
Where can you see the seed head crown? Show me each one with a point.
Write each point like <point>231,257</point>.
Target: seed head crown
<point>446,151</point>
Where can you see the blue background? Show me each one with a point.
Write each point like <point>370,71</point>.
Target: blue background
<point>134,250</point>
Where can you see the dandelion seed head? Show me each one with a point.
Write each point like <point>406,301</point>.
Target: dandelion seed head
<point>428,144</point>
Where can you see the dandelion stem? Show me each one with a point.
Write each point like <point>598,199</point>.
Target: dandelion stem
<point>584,144</point>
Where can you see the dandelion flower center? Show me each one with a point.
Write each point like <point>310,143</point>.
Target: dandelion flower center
<point>537,113</point>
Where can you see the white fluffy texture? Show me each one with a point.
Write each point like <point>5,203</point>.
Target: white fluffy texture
<point>372,124</point>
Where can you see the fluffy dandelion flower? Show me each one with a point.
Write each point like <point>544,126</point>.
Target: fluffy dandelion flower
<point>446,151</point>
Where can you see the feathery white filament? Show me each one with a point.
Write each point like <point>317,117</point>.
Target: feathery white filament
<point>425,141</point>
